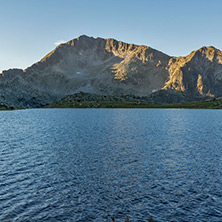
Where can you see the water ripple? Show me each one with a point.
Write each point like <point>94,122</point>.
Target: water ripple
<point>92,165</point>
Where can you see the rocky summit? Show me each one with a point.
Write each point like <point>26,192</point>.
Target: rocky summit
<point>113,68</point>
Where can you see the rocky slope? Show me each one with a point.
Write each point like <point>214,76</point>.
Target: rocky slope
<point>111,67</point>
<point>199,73</point>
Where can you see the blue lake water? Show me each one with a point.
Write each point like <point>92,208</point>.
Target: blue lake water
<point>95,164</point>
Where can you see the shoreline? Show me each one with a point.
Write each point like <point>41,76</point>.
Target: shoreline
<point>118,104</point>
<point>207,104</point>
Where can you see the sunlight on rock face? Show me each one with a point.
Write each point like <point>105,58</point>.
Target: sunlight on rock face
<point>200,84</point>
<point>121,76</point>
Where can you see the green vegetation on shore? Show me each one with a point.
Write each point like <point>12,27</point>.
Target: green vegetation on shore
<point>85,100</point>
<point>188,105</point>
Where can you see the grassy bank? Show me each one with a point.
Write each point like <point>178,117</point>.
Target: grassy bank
<point>83,100</point>
<point>207,104</point>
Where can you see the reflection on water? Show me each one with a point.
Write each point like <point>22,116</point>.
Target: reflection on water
<point>94,164</point>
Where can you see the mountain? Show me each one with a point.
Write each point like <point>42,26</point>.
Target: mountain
<point>198,73</point>
<point>111,67</point>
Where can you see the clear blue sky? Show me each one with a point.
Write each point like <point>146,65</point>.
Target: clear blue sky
<point>29,29</point>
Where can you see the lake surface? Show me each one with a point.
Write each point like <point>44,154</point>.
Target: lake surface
<point>95,164</point>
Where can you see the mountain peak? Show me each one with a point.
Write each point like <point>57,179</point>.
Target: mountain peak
<point>209,52</point>
<point>207,48</point>
<point>84,37</point>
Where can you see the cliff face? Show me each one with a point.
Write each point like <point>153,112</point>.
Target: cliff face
<point>110,67</point>
<point>199,73</point>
